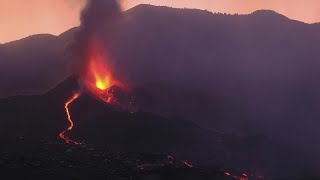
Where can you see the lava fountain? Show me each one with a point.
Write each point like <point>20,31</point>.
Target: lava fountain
<point>91,62</point>
<point>98,81</point>
<point>98,78</point>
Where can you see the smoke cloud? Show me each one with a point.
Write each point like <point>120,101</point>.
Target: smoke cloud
<point>97,19</point>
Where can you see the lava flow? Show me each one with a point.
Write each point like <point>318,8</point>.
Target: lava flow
<point>243,176</point>
<point>97,80</point>
<point>62,134</point>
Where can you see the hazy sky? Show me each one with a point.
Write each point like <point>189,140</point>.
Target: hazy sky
<point>20,18</point>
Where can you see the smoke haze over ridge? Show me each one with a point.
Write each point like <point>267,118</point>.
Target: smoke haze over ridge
<point>97,19</point>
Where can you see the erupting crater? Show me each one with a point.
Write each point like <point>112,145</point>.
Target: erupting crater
<point>98,78</point>
<point>98,81</point>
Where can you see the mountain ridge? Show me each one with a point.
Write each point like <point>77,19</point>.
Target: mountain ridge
<point>260,69</point>
<point>261,12</point>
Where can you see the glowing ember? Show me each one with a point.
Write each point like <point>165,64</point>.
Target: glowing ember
<point>62,134</point>
<point>171,158</point>
<point>98,70</point>
<point>244,176</point>
<point>189,165</point>
<point>98,76</point>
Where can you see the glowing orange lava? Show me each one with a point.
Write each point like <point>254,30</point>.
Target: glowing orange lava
<point>98,73</point>
<point>244,176</point>
<point>98,77</point>
<point>189,165</point>
<point>62,134</point>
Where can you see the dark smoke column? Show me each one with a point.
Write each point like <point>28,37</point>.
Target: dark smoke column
<point>89,53</point>
<point>97,20</point>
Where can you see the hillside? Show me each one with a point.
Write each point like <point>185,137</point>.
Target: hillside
<point>260,70</point>
<point>34,64</point>
<point>263,68</point>
<point>41,118</point>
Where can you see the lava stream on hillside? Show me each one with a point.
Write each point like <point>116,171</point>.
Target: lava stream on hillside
<point>97,80</point>
<point>62,134</point>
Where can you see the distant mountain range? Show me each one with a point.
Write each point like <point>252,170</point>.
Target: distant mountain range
<point>261,70</point>
<point>38,58</point>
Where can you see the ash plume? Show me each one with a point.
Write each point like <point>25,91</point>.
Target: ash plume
<point>97,19</point>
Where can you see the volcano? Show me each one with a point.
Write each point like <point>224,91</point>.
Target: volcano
<point>113,129</point>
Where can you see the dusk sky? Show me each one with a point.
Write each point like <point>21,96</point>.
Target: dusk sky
<point>21,18</point>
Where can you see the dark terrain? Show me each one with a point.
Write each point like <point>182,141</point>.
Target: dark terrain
<point>39,119</point>
<point>34,64</point>
<point>56,160</point>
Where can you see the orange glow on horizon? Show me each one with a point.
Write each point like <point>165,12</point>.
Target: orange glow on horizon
<point>20,18</point>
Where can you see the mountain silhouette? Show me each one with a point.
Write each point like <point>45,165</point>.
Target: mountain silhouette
<point>262,68</point>
<point>246,74</point>
<point>37,58</point>
<point>34,64</point>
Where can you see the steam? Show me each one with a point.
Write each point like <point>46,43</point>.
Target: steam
<point>97,20</point>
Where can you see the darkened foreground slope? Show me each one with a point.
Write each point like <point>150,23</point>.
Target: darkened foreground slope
<point>23,158</point>
<point>99,125</point>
